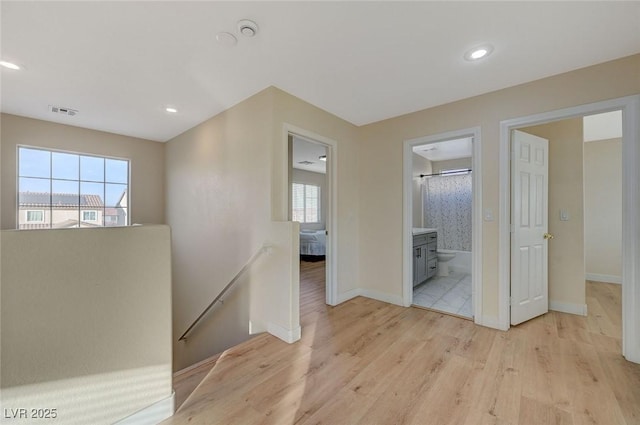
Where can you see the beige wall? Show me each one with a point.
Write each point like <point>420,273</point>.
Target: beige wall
<point>317,179</point>
<point>566,191</point>
<point>147,162</point>
<point>218,206</point>
<point>421,165</point>
<point>381,190</point>
<point>226,181</point>
<point>603,208</point>
<point>291,110</point>
<point>86,316</point>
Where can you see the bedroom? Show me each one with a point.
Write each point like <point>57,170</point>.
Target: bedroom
<point>308,198</point>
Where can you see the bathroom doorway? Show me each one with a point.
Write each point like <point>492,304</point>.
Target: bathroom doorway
<point>441,223</point>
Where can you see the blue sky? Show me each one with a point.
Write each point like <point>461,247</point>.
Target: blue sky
<point>59,172</point>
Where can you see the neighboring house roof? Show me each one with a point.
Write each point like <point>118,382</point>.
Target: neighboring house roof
<point>43,199</point>
<point>122,202</point>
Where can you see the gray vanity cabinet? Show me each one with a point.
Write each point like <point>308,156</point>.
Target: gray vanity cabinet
<point>425,261</point>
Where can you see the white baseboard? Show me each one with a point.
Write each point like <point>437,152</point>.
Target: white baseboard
<point>370,293</point>
<point>256,327</point>
<point>382,296</point>
<point>491,322</point>
<point>287,335</point>
<point>571,308</point>
<point>608,278</point>
<point>152,415</point>
<point>350,294</point>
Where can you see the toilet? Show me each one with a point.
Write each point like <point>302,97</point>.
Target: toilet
<point>444,256</point>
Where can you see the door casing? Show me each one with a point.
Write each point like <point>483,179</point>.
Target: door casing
<point>476,228</point>
<point>630,107</point>
<point>331,272</point>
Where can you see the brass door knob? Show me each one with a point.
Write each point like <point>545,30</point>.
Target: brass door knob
<point>548,236</point>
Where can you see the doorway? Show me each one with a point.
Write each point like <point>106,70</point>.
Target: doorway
<point>312,202</point>
<point>576,228</point>
<point>442,226</point>
<point>308,191</point>
<point>603,197</point>
<point>442,223</point>
<point>630,107</point>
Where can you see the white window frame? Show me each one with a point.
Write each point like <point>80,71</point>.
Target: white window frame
<point>34,221</point>
<point>304,202</point>
<point>104,181</point>
<point>95,213</point>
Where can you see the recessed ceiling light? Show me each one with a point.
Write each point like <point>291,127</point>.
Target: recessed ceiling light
<point>323,158</point>
<point>9,65</point>
<point>478,52</point>
<point>171,110</point>
<point>226,39</point>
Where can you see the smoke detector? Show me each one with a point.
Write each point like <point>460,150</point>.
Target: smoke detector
<point>63,111</point>
<point>247,28</point>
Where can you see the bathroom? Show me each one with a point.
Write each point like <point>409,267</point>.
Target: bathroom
<point>442,226</point>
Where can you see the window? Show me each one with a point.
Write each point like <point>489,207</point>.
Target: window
<point>62,190</point>
<point>36,216</point>
<point>305,203</point>
<point>89,215</point>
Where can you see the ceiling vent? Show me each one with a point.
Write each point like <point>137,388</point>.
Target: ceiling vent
<point>305,162</point>
<point>247,28</point>
<point>63,111</point>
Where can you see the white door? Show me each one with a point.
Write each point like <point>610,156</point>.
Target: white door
<point>529,226</point>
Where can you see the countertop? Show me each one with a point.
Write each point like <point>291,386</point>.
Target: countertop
<point>423,230</point>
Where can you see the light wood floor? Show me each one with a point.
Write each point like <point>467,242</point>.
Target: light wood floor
<point>187,380</point>
<point>367,362</point>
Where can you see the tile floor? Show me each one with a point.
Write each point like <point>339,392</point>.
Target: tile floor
<point>450,294</point>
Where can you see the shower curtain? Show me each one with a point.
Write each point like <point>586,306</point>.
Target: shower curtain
<point>447,207</point>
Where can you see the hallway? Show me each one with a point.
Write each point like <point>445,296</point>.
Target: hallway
<point>365,362</point>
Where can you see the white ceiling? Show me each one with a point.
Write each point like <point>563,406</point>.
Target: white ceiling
<point>121,63</point>
<point>444,151</point>
<point>306,151</point>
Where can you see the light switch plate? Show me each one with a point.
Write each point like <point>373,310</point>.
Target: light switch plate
<point>488,214</point>
<point>564,215</point>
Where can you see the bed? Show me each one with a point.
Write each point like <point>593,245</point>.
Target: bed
<point>312,245</point>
